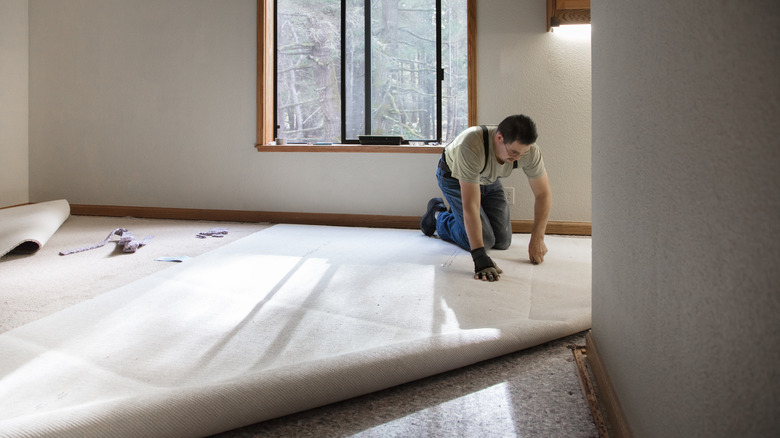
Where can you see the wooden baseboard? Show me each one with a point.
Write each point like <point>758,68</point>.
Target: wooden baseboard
<point>618,426</point>
<point>278,217</point>
<point>555,227</point>
<point>589,389</point>
<point>12,206</point>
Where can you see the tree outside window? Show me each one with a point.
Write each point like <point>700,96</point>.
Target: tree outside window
<point>323,60</point>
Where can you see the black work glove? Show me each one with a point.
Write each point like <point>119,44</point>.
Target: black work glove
<point>484,267</point>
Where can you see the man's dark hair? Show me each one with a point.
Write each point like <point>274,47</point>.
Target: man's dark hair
<point>518,128</point>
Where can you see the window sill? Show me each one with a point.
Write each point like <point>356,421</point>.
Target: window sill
<point>354,148</point>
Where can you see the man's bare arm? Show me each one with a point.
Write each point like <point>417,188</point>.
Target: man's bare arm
<point>540,187</point>
<point>470,194</point>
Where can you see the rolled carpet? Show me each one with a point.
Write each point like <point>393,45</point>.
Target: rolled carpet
<point>28,227</point>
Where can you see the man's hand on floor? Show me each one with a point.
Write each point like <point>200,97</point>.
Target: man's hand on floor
<point>536,250</point>
<point>485,268</point>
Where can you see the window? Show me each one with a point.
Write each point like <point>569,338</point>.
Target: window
<point>353,67</point>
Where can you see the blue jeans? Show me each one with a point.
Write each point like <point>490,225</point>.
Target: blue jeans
<point>494,213</point>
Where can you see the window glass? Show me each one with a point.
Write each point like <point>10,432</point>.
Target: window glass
<point>403,69</point>
<point>308,72</point>
<point>399,59</point>
<point>355,72</point>
<point>455,104</point>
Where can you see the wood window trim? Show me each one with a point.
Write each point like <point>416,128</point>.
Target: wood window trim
<point>265,89</point>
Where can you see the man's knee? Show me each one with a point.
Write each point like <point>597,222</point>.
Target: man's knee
<point>502,240</point>
<point>504,244</point>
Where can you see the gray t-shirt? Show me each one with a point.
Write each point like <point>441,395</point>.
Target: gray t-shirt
<point>466,158</point>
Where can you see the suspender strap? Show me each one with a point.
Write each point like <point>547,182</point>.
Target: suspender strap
<point>485,140</point>
<point>487,146</point>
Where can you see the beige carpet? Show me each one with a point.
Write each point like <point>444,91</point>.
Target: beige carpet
<point>35,285</point>
<point>286,319</point>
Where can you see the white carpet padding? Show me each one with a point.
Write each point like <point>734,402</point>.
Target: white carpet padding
<point>31,225</point>
<point>287,319</point>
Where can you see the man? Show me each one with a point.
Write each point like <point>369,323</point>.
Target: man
<point>469,175</point>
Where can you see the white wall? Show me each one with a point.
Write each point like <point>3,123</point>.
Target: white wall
<point>686,97</point>
<point>524,69</point>
<point>14,165</point>
<point>152,103</point>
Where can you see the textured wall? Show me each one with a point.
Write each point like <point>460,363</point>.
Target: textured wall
<point>13,103</point>
<point>524,69</point>
<point>686,200</point>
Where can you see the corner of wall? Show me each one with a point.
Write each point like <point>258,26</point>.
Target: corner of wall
<point>14,95</point>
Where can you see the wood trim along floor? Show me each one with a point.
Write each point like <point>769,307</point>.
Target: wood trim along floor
<point>12,206</point>
<point>616,420</point>
<point>278,217</point>
<point>589,389</point>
